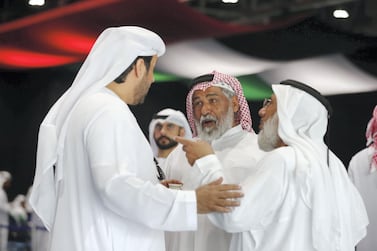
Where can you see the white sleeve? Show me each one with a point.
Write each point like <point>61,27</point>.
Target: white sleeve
<point>118,156</point>
<point>207,169</point>
<point>263,193</point>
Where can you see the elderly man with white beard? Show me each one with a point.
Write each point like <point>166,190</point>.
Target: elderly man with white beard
<point>301,197</point>
<point>218,113</point>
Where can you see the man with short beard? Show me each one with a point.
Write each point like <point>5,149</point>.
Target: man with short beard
<point>218,113</point>
<point>300,198</point>
<point>164,126</point>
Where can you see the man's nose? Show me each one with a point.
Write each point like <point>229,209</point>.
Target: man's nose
<point>206,108</point>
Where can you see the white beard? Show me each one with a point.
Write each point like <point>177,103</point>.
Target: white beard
<point>210,134</point>
<point>268,137</point>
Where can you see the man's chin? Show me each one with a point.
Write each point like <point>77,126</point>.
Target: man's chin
<point>208,129</point>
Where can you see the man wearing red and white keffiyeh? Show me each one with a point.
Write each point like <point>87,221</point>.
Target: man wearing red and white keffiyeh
<point>218,113</point>
<point>362,170</point>
<point>371,135</point>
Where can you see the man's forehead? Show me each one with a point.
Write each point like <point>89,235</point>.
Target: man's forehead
<point>162,123</point>
<point>209,90</point>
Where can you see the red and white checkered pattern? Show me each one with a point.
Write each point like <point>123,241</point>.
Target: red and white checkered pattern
<point>371,135</point>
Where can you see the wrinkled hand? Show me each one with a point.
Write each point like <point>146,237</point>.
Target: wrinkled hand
<point>217,197</point>
<point>194,149</point>
<point>167,182</point>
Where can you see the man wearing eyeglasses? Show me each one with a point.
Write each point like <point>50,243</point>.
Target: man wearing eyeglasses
<point>218,113</point>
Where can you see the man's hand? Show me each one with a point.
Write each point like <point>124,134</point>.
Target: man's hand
<point>217,197</point>
<point>195,149</point>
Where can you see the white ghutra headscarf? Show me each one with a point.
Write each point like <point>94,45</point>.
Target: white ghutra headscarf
<point>112,53</point>
<point>4,177</point>
<point>171,116</point>
<point>339,218</point>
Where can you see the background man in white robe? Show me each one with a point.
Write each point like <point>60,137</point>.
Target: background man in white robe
<point>38,233</point>
<point>218,113</point>
<point>5,181</point>
<point>164,126</point>
<point>19,232</point>
<point>95,186</point>
<point>362,171</point>
<point>300,198</point>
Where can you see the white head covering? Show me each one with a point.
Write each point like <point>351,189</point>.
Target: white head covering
<point>339,218</point>
<point>4,177</point>
<point>112,53</point>
<point>172,116</point>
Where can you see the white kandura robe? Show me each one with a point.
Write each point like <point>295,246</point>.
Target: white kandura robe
<point>272,215</point>
<point>365,181</point>
<point>238,152</point>
<point>4,219</point>
<point>109,198</point>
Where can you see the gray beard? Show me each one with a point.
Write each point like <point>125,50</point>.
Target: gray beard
<point>268,137</point>
<point>210,134</point>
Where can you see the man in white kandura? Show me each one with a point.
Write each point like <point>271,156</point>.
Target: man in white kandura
<point>362,171</point>
<point>218,113</point>
<point>164,126</point>
<point>95,186</point>
<point>5,181</point>
<point>301,197</point>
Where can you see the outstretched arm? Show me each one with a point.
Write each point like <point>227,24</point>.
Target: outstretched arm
<point>217,197</point>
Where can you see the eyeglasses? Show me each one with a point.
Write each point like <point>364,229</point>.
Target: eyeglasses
<point>266,102</point>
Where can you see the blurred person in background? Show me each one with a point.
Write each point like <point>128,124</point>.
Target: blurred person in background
<point>362,170</point>
<point>5,183</point>
<point>39,235</point>
<point>19,230</point>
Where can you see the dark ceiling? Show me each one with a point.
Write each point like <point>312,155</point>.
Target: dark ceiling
<point>62,31</point>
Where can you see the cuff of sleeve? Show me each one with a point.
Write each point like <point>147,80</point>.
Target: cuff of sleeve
<point>207,162</point>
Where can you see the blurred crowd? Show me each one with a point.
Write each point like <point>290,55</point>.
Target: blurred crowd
<point>20,228</point>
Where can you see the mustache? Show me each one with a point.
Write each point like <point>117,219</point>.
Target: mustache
<point>207,118</point>
<point>164,137</point>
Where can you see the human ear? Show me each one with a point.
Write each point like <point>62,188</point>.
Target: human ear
<point>235,104</point>
<point>139,67</point>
